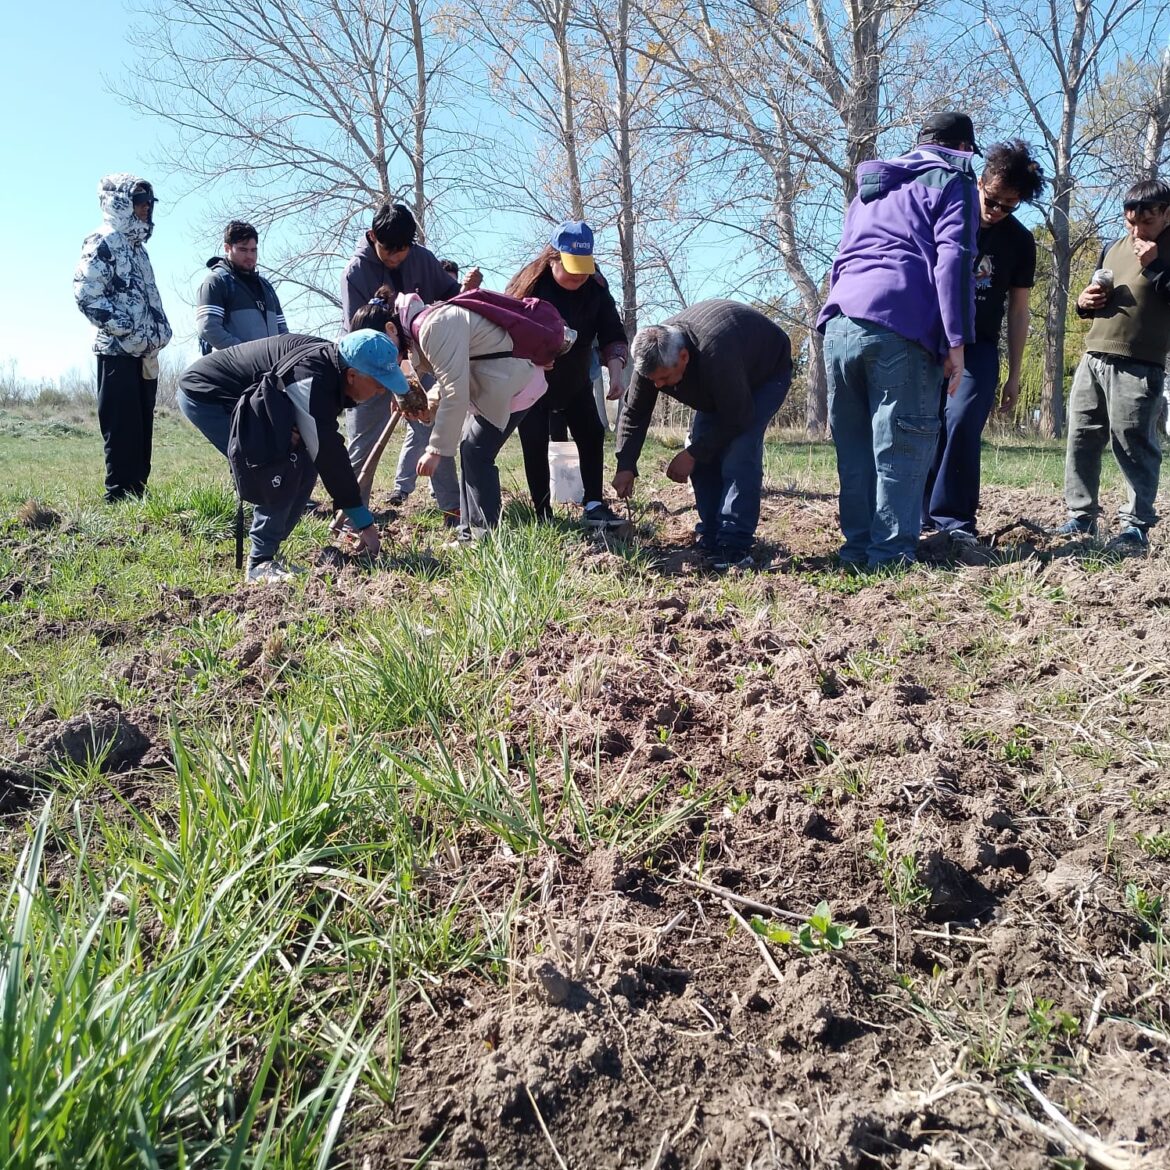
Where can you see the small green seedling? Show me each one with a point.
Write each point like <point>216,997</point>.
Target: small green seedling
<point>819,934</point>
<point>900,875</point>
<point>1155,845</point>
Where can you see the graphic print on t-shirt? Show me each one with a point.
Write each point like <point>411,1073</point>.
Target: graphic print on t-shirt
<point>984,272</point>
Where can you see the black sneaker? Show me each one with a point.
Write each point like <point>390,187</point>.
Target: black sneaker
<point>600,515</point>
<point>1129,542</point>
<point>730,562</point>
<point>1076,527</point>
<point>397,499</point>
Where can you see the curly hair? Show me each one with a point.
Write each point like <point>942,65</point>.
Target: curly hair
<point>1016,167</point>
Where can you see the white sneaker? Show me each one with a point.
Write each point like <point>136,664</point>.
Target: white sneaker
<point>272,572</point>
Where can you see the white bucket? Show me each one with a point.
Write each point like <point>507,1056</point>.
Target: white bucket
<point>564,467</point>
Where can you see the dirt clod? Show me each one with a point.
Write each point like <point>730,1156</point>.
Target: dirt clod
<point>105,737</point>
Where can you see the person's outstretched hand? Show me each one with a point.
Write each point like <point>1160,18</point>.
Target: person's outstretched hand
<point>680,467</point>
<point>370,540</point>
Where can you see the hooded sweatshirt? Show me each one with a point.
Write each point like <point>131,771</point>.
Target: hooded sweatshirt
<point>235,306</point>
<point>419,273</point>
<point>907,252</point>
<point>114,284</point>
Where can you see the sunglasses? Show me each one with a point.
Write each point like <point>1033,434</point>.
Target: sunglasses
<point>139,198</point>
<point>996,205</point>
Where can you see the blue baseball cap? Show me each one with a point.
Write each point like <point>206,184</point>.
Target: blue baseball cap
<point>371,352</point>
<point>574,240</point>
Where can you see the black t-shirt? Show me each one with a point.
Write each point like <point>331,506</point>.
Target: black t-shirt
<point>1006,259</point>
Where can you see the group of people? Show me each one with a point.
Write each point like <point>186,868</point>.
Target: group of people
<point>931,263</point>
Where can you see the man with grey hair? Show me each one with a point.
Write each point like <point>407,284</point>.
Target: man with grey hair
<point>733,366</point>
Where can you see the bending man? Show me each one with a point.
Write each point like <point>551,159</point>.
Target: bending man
<point>322,378</point>
<point>733,365</point>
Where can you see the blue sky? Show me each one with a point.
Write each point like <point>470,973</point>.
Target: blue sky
<point>62,130</point>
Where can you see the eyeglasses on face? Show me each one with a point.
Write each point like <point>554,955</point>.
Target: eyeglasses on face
<point>996,205</point>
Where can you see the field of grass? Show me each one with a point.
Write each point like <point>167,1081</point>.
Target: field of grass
<point>556,852</point>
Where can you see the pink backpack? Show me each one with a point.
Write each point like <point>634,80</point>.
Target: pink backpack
<point>537,330</point>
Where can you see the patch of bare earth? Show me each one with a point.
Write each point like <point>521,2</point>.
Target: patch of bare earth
<point>1001,1001</point>
<point>1008,728</point>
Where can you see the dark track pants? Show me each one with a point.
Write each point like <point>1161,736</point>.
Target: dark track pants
<point>952,488</point>
<point>580,414</point>
<point>125,407</point>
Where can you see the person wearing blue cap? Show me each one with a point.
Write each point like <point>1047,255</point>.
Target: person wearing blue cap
<point>321,378</point>
<point>565,274</point>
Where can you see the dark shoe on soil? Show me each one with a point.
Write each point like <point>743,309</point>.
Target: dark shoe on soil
<point>397,499</point>
<point>731,562</point>
<point>1076,527</point>
<point>967,549</point>
<point>1129,542</point>
<point>600,515</point>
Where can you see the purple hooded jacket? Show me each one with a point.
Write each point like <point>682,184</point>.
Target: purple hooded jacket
<point>907,253</point>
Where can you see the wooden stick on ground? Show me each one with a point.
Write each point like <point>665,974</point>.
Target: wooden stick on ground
<point>370,466</point>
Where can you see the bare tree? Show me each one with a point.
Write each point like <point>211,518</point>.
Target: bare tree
<point>806,89</point>
<point>528,48</point>
<point>314,111</point>
<point>1053,53</point>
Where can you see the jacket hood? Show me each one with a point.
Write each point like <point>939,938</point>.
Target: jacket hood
<point>365,253</point>
<point>881,176</point>
<point>114,193</point>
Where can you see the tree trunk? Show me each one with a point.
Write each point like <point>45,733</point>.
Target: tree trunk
<point>568,114</point>
<point>1157,122</point>
<point>816,411</point>
<point>1052,393</point>
<point>788,241</point>
<point>418,155</point>
<point>625,175</point>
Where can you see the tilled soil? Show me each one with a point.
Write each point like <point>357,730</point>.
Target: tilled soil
<point>642,1024</point>
<point>997,999</point>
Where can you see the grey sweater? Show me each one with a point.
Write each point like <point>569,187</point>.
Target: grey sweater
<point>733,350</point>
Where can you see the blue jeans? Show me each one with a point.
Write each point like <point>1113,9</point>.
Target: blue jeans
<point>727,488</point>
<point>480,499</point>
<point>884,414</point>
<point>952,489</point>
<point>269,529</point>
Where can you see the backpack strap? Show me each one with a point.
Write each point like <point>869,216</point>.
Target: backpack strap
<point>487,357</point>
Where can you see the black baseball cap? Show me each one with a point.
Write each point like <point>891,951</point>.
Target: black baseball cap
<point>948,128</point>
